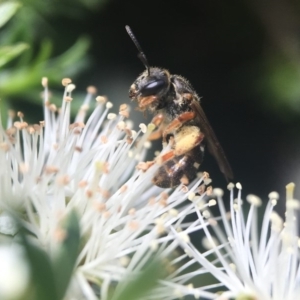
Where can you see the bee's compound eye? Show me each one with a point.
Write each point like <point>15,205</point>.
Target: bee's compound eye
<point>153,87</point>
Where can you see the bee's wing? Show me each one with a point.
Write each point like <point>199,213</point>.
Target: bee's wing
<point>213,144</point>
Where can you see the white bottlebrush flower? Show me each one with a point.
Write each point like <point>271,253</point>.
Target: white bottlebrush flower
<point>15,272</point>
<point>51,168</point>
<point>246,259</point>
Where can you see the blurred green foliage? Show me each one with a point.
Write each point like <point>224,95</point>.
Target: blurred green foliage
<point>280,85</point>
<point>51,274</point>
<point>277,72</point>
<point>65,255</point>
<point>27,53</point>
<point>137,286</point>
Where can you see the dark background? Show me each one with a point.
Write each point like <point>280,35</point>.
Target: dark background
<point>241,56</point>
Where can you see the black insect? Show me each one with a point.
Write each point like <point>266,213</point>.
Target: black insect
<point>179,116</point>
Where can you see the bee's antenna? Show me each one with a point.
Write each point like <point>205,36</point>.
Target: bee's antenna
<point>141,54</point>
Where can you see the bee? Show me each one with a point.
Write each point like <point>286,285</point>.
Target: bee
<point>180,119</point>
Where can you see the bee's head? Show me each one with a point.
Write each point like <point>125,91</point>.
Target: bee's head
<point>149,88</point>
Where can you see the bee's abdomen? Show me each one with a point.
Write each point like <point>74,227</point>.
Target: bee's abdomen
<point>180,169</point>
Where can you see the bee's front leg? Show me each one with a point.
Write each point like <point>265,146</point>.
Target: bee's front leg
<point>157,121</point>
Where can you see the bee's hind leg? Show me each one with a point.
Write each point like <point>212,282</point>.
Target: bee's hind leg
<point>177,123</point>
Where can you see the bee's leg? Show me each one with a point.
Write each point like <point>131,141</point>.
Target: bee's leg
<point>165,157</point>
<point>144,102</point>
<point>177,123</point>
<point>144,166</point>
<point>155,135</point>
<point>157,120</point>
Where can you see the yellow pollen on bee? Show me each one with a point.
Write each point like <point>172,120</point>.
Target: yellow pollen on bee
<point>186,139</point>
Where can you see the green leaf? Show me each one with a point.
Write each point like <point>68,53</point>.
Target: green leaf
<point>44,53</point>
<point>3,112</point>
<point>135,287</point>
<point>7,53</point>
<point>41,270</point>
<point>7,10</point>
<point>64,258</point>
